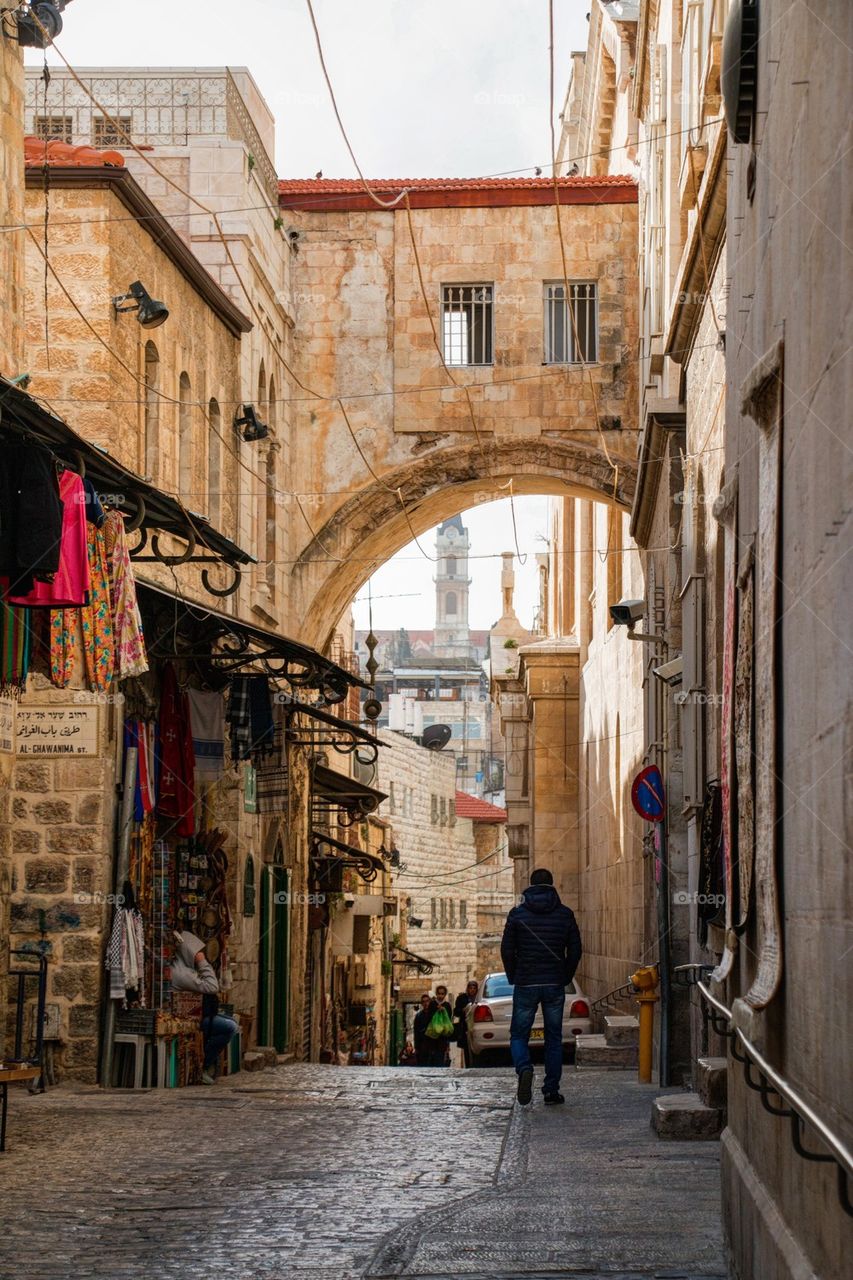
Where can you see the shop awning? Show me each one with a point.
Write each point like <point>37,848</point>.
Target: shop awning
<point>329,856</point>
<point>150,511</point>
<point>411,961</point>
<point>225,646</point>
<point>345,792</point>
<point>333,731</point>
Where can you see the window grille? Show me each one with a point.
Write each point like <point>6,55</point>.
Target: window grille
<point>444,811</point>
<point>54,125</point>
<point>451,913</point>
<point>433,809</point>
<point>463,914</point>
<point>467,323</point>
<point>433,913</point>
<point>442,908</point>
<point>113,132</point>
<point>567,343</point>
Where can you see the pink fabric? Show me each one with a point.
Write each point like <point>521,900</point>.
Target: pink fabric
<point>71,583</point>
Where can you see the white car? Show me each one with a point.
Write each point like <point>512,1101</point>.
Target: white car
<point>489,1017</point>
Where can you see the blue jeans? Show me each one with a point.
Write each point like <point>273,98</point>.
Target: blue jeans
<point>218,1034</point>
<point>525,1001</point>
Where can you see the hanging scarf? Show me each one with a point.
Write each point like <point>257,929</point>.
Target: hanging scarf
<point>14,649</point>
<point>250,717</point>
<point>130,654</point>
<point>177,763</point>
<point>208,725</point>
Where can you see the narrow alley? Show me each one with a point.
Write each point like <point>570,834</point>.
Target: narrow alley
<point>329,1173</point>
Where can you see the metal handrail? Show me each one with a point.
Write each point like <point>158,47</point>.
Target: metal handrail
<point>618,993</point>
<point>796,1108</point>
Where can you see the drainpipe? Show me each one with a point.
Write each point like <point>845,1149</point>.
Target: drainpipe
<point>120,869</point>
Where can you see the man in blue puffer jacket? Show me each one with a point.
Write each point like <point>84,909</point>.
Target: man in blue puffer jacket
<point>541,949</point>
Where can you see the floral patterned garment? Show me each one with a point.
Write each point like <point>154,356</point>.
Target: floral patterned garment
<point>130,656</point>
<point>98,634</point>
<point>95,619</point>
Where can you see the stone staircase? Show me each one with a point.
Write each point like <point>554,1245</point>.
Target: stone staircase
<point>615,1048</point>
<point>692,1116</point>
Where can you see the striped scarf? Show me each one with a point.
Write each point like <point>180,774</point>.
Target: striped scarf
<point>14,649</point>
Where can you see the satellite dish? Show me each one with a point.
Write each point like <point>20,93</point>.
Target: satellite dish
<point>436,736</point>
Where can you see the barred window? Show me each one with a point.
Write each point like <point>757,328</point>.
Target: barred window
<point>54,125</point>
<point>433,808</point>
<point>567,343</point>
<point>467,323</point>
<point>451,908</point>
<point>442,908</point>
<point>433,913</point>
<point>111,132</point>
<point>463,914</point>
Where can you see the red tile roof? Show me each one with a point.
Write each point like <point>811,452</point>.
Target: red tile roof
<point>64,155</point>
<point>478,810</point>
<point>428,193</point>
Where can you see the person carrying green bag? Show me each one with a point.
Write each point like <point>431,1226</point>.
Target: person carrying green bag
<point>439,1031</point>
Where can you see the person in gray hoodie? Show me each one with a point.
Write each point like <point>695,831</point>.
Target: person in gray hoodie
<point>192,971</point>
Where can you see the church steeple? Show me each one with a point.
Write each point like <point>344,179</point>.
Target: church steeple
<point>451,590</point>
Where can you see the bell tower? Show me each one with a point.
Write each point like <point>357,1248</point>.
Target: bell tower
<point>451,590</point>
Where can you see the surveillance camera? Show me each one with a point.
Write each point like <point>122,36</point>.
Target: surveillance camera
<point>627,612</point>
<point>670,672</point>
<point>349,900</point>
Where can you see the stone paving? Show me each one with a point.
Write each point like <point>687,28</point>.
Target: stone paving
<point>336,1173</point>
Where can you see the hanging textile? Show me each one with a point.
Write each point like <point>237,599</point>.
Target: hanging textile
<point>130,653</point>
<point>15,649</point>
<point>207,716</point>
<point>250,717</point>
<point>126,955</point>
<point>177,762</point>
<point>138,734</point>
<point>71,580</point>
<point>31,515</point>
<point>89,629</point>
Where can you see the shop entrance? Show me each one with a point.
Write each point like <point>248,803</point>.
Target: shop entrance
<point>274,957</point>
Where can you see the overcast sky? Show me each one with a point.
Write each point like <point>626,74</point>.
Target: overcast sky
<point>442,88</point>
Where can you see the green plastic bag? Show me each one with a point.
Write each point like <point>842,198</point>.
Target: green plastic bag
<point>440,1024</point>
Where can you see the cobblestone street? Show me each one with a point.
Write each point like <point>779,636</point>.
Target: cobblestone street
<point>329,1173</point>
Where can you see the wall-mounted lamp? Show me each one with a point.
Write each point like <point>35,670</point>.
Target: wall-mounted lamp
<point>149,312</point>
<point>41,24</point>
<point>253,428</point>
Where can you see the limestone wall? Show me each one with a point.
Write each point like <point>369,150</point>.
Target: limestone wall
<point>439,884</point>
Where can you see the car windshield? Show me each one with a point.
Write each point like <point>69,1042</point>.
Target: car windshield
<point>498,985</point>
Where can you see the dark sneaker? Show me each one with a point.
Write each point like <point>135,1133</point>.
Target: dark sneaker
<point>554,1099</point>
<point>525,1086</point>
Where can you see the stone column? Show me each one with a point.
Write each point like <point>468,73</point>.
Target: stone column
<point>551,673</point>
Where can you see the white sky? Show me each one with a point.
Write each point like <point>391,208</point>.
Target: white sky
<point>426,88</point>
<point>403,590</point>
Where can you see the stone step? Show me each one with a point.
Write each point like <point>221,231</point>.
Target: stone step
<point>683,1117</point>
<point>594,1051</point>
<point>621,1029</point>
<point>712,1081</point>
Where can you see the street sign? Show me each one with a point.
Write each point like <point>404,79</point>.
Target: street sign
<point>647,794</point>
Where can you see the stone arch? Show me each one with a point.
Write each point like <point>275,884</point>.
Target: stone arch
<point>340,554</point>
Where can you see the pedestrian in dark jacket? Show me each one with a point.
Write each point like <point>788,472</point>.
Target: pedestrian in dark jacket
<point>460,1009</point>
<point>419,1031</point>
<point>541,949</point>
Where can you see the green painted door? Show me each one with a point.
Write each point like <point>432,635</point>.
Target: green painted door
<point>274,958</point>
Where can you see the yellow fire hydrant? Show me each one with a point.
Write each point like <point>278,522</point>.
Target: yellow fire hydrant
<point>646,981</point>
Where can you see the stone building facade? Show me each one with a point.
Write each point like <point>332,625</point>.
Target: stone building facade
<point>439,882</point>
<point>787,471</point>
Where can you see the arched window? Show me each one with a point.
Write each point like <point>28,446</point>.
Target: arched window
<point>450,564</point>
<point>450,604</point>
<point>185,439</point>
<point>214,464</point>
<point>151,441</point>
